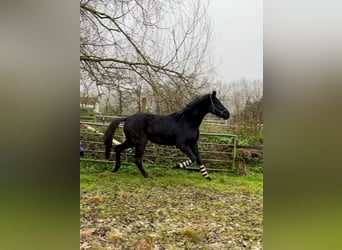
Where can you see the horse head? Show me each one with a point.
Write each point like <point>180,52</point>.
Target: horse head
<point>217,107</point>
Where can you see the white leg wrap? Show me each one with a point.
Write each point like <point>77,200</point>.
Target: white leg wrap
<point>204,171</point>
<point>185,164</point>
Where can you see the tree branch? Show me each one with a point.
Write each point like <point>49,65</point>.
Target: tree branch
<point>154,67</point>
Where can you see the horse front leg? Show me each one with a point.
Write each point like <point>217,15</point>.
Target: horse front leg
<point>187,151</point>
<point>184,164</point>
<point>203,170</point>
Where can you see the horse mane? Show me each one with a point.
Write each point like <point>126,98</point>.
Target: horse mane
<point>190,105</point>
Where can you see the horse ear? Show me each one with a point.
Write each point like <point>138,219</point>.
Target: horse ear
<point>214,93</point>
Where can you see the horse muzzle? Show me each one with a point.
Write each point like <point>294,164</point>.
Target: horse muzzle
<point>225,115</point>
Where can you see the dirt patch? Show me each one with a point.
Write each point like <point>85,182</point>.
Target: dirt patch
<point>146,216</point>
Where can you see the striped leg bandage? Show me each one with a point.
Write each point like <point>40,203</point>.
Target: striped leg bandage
<point>204,172</point>
<point>185,164</point>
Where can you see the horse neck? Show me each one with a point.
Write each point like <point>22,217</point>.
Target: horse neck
<point>195,115</point>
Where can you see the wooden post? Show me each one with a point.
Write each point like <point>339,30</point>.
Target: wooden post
<point>144,103</point>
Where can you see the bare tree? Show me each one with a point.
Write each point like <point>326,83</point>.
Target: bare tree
<point>243,97</point>
<point>164,43</point>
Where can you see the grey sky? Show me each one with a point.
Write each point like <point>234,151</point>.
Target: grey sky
<point>238,38</point>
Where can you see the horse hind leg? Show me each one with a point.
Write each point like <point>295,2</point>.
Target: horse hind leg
<point>139,152</point>
<point>118,150</point>
<point>203,170</point>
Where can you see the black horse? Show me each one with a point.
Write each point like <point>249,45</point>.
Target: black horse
<point>180,129</point>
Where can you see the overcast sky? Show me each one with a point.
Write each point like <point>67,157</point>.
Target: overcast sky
<point>238,34</point>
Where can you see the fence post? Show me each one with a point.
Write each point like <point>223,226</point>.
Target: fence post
<point>234,151</point>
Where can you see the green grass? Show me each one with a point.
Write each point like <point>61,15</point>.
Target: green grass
<point>94,176</point>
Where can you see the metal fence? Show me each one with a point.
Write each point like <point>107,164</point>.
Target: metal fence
<point>218,150</point>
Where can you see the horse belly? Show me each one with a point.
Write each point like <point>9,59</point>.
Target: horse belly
<point>162,139</point>
<point>161,133</point>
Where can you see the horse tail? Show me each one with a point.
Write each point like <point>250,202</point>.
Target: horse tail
<point>109,134</point>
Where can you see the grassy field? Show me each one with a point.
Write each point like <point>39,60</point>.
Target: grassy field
<point>175,209</point>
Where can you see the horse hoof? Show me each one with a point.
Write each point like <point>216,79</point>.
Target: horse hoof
<point>149,176</point>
